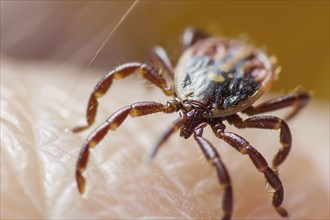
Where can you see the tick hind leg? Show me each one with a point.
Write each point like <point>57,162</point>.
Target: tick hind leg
<point>268,122</point>
<point>112,123</point>
<point>192,35</point>
<point>213,157</point>
<point>297,100</point>
<point>160,60</point>
<point>145,70</point>
<point>241,145</point>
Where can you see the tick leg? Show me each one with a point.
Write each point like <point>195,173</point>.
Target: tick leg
<point>297,100</point>
<point>241,145</point>
<point>145,70</point>
<point>159,58</point>
<point>213,157</point>
<point>192,35</point>
<point>175,126</point>
<point>112,123</point>
<point>268,122</point>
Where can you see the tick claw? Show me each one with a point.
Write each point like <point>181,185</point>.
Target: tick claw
<point>282,211</point>
<point>80,182</point>
<point>149,156</point>
<point>79,129</point>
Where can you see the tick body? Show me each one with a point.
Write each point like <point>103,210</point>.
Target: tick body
<point>223,74</point>
<point>215,80</point>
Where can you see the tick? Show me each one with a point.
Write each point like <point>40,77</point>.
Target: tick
<point>214,79</point>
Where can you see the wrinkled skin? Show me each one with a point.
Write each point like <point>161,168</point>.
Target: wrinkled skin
<point>38,156</point>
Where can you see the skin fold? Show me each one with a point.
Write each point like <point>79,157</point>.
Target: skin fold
<point>40,103</point>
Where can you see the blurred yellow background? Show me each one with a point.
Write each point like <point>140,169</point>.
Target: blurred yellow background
<point>297,32</point>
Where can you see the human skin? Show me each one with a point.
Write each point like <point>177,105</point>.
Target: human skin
<point>40,103</point>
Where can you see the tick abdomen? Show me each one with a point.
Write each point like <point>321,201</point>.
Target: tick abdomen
<point>222,74</point>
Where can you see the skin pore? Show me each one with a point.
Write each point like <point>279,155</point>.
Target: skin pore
<point>39,152</point>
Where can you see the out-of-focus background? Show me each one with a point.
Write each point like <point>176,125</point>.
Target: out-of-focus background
<point>70,32</point>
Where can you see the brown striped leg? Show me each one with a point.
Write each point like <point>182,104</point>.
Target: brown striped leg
<point>174,127</point>
<point>212,156</point>
<point>112,123</point>
<point>159,59</point>
<point>241,145</point>
<point>268,122</point>
<point>296,100</point>
<point>192,35</point>
<point>145,70</point>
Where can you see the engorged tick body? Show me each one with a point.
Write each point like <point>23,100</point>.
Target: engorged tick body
<point>214,80</point>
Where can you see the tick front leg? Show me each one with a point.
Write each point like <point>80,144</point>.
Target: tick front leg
<point>112,123</point>
<point>296,100</point>
<point>213,157</point>
<point>241,145</point>
<point>145,70</point>
<point>268,122</point>
<point>174,127</point>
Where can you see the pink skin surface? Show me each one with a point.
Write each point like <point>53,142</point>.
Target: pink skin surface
<point>41,103</point>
